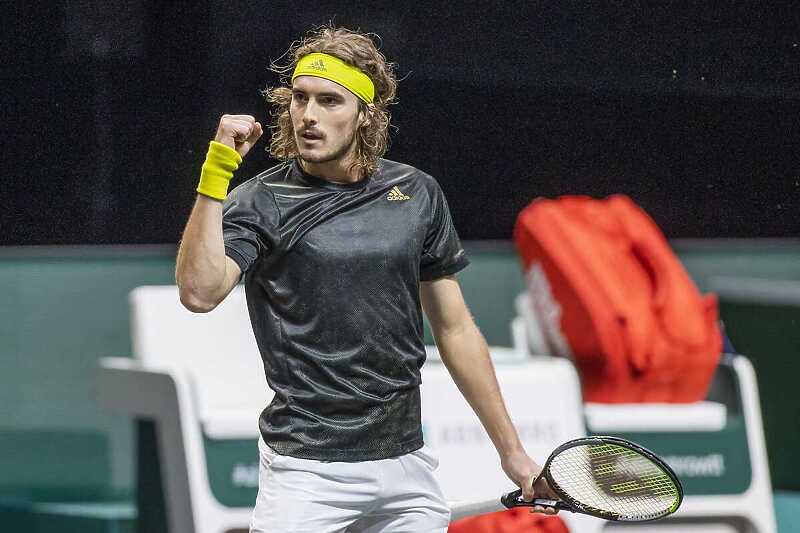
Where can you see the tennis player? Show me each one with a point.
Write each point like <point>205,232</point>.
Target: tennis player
<point>340,251</point>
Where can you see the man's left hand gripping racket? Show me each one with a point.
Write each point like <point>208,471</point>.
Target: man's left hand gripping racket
<point>607,477</point>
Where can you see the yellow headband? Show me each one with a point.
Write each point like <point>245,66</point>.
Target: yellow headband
<point>334,69</point>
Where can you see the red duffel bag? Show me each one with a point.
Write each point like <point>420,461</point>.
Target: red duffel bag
<point>609,293</point>
<point>516,520</point>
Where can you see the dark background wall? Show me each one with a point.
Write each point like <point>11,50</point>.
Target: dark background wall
<point>690,108</point>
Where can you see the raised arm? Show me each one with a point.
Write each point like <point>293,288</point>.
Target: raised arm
<point>204,274</point>
<point>466,356</point>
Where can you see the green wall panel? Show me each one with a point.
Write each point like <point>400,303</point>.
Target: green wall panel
<point>103,517</point>
<point>63,308</point>
<point>770,336</point>
<point>233,470</point>
<point>766,259</point>
<point>715,462</point>
<point>489,284</point>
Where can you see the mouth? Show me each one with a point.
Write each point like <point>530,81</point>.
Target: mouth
<point>310,136</point>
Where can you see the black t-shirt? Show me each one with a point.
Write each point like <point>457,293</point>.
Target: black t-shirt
<point>332,276</point>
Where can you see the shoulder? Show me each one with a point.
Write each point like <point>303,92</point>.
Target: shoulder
<point>393,172</point>
<point>274,174</point>
<point>259,184</point>
<point>255,191</point>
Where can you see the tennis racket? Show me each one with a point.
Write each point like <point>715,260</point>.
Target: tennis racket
<point>607,477</point>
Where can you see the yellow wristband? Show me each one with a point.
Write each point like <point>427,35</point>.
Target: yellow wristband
<point>217,171</point>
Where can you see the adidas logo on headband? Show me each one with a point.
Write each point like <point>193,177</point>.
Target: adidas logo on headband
<point>318,65</point>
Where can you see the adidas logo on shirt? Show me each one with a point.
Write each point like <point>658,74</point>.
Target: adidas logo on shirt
<point>318,65</point>
<point>396,194</point>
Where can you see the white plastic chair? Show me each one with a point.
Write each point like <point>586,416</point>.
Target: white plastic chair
<point>750,510</point>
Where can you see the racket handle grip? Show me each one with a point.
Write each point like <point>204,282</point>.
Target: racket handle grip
<point>510,499</point>
<point>514,499</point>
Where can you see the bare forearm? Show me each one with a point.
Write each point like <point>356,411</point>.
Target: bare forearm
<point>201,265</point>
<point>466,356</point>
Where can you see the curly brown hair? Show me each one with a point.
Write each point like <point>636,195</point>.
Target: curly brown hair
<point>358,50</point>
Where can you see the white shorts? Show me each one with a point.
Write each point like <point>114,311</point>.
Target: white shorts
<point>387,495</point>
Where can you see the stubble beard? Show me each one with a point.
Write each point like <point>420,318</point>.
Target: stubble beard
<point>338,154</point>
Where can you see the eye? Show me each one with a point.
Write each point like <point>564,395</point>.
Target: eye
<point>298,97</point>
<point>329,100</point>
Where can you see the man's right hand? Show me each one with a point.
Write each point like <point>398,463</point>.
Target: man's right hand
<point>240,132</point>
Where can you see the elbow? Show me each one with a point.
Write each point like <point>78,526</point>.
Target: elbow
<point>196,303</point>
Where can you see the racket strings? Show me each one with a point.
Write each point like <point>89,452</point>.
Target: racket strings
<point>614,479</point>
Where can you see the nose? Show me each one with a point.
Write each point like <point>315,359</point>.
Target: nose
<point>310,114</point>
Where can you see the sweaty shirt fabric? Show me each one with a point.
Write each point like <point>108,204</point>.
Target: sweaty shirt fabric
<point>332,276</point>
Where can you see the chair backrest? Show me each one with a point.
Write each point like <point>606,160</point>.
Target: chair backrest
<point>217,350</point>
<point>469,468</point>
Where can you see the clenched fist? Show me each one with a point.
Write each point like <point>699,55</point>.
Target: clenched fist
<point>240,132</point>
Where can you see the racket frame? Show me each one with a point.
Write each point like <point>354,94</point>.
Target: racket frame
<point>568,503</point>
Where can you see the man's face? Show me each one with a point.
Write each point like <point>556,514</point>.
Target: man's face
<point>325,117</point>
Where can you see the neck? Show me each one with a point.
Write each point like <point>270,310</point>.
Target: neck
<point>336,171</point>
